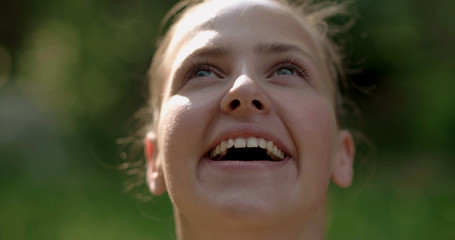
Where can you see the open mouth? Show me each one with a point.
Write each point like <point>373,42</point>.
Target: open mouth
<point>247,149</point>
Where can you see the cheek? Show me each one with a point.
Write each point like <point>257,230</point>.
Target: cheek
<point>320,124</point>
<point>182,115</point>
<point>181,133</point>
<point>171,119</point>
<point>174,149</point>
<point>187,112</point>
<point>315,135</point>
<point>313,128</point>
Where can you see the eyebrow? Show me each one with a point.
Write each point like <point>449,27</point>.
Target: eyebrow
<point>210,52</point>
<point>277,47</point>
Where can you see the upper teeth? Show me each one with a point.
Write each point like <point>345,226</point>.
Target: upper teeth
<point>251,142</point>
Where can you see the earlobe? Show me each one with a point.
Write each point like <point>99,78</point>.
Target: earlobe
<point>156,183</point>
<point>155,178</point>
<point>343,170</point>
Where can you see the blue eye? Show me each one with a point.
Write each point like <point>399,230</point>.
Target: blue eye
<point>288,68</point>
<point>203,73</point>
<point>285,71</point>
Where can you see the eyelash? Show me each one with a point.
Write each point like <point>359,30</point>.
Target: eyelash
<point>197,65</point>
<point>203,64</point>
<point>292,64</point>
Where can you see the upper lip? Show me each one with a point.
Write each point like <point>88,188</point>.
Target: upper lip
<point>246,131</point>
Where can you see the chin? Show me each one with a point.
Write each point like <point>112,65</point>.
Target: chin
<point>250,206</point>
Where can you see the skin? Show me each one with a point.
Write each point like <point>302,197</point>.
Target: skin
<point>231,76</point>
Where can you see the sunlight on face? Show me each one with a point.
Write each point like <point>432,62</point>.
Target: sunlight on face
<point>247,71</point>
<point>203,38</point>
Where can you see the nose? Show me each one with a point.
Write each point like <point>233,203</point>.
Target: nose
<point>245,97</point>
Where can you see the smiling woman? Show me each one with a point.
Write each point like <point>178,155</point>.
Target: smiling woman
<point>246,131</point>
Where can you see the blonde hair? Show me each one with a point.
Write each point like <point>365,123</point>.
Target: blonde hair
<point>319,15</point>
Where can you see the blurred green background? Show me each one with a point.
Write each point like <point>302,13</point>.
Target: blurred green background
<point>72,76</point>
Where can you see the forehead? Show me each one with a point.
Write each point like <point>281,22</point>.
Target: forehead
<point>212,10</point>
<point>218,21</point>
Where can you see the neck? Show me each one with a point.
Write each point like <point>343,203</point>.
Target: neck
<point>311,228</point>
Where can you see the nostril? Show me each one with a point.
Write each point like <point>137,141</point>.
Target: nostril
<point>258,104</point>
<point>234,104</point>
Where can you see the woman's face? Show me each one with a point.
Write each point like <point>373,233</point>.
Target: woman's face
<point>247,74</point>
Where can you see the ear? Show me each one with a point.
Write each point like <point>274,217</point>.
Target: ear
<point>343,168</point>
<point>155,178</point>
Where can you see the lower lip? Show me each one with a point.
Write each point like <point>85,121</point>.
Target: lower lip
<point>245,165</point>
